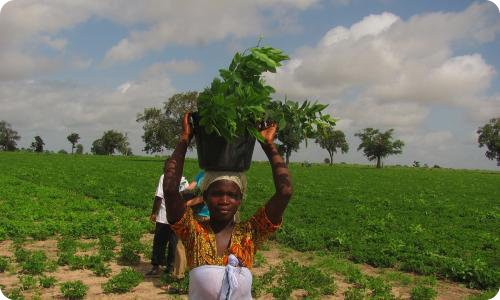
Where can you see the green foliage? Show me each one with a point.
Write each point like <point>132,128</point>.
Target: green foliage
<point>110,142</point>
<point>377,145</point>
<point>259,260</point>
<point>489,136</point>
<point>355,293</point>
<point>37,144</point>
<point>8,137</point>
<point>27,282</point>
<point>66,250</point>
<point>487,295</point>
<point>237,101</point>
<point>297,122</point>
<point>21,255</point>
<point>74,289</point>
<point>73,139</point>
<point>106,247</point>
<point>4,263</point>
<point>330,139</point>
<point>35,263</point>
<point>15,294</point>
<point>422,292</point>
<point>290,276</point>
<point>79,149</point>
<point>163,127</point>
<point>123,282</point>
<point>47,281</point>
<point>176,286</point>
<point>129,253</point>
<point>428,221</point>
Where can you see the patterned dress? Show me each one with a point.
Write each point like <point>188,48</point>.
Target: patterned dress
<point>199,239</point>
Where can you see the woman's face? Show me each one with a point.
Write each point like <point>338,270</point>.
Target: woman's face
<point>223,199</point>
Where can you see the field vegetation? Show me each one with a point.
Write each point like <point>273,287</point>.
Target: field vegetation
<point>440,224</point>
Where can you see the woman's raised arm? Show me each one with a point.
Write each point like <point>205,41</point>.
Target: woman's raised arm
<point>275,207</point>
<point>173,173</point>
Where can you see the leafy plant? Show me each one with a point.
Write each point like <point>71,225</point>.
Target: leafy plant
<point>129,253</point>
<point>106,247</point>
<point>422,292</point>
<point>28,282</point>
<point>355,293</point>
<point>259,260</point>
<point>297,122</point>
<point>177,286</point>
<point>21,255</point>
<point>74,289</point>
<point>47,281</point>
<point>289,276</point>
<point>36,263</point>
<point>123,282</point>
<point>15,294</point>
<point>236,102</point>
<point>4,263</point>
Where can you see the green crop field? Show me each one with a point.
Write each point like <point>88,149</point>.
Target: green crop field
<point>427,221</point>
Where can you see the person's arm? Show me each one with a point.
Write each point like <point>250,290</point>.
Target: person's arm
<point>191,186</point>
<point>156,208</point>
<point>276,206</point>
<point>173,174</point>
<point>194,201</point>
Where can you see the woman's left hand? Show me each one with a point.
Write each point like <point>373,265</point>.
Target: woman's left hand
<point>268,131</point>
<point>187,131</point>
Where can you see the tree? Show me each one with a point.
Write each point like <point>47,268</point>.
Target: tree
<point>330,139</point>
<point>37,145</point>
<point>377,145</point>
<point>98,147</point>
<point>109,142</point>
<point>8,137</point>
<point>73,139</point>
<point>62,151</point>
<point>290,139</point>
<point>163,127</point>
<point>123,146</point>
<point>489,136</point>
<point>79,149</point>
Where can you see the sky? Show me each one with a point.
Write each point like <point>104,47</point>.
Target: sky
<point>429,69</point>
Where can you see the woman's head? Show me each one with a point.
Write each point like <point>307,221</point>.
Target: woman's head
<point>223,193</point>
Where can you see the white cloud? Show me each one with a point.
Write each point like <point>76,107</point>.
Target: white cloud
<point>386,71</point>
<point>184,67</point>
<point>15,65</point>
<point>83,109</point>
<point>25,25</point>
<point>56,44</point>
<point>404,116</point>
<point>207,21</point>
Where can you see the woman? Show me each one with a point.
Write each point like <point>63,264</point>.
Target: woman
<point>220,251</point>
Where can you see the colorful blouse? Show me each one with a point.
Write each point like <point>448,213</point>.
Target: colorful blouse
<point>199,239</point>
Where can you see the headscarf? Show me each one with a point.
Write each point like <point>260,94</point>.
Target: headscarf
<point>237,177</point>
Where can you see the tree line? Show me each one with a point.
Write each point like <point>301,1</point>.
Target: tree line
<point>162,128</point>
<point>110,142</point>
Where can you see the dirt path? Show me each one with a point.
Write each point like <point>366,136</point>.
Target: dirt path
<point>151,288</point>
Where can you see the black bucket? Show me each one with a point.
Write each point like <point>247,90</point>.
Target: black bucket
<point>216,154</point>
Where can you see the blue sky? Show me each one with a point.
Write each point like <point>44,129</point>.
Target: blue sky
<point>428,69</point>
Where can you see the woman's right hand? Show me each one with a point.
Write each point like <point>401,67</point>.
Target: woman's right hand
<point>187,130</point>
